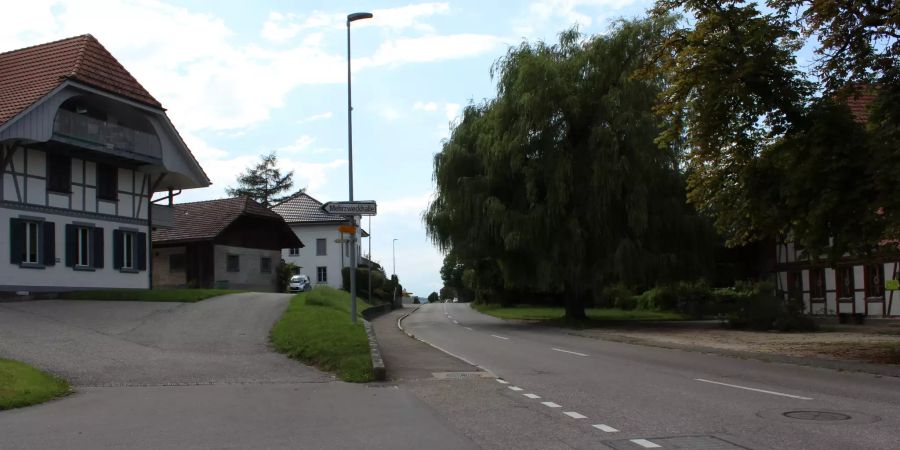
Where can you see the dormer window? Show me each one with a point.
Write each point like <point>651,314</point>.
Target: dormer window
<point>59,173</point>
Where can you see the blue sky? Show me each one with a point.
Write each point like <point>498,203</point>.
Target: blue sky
<point>243,78</point>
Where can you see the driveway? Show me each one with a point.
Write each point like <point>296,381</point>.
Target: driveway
<point>194,375</point>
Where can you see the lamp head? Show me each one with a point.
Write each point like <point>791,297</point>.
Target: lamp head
<point>358,16</point>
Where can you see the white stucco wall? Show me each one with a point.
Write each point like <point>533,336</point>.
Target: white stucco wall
<point>59,277</point>
<point>249,276</point>
<point>308,259</point>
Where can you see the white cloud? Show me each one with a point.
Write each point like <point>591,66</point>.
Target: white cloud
<point>302,143</point>
<point>565,13</point>
<point>451,110</point>
<point>429,49</point>
<point>405,206</point>
<point>425,106</point>
<point>389,113</point>
<point>316,117</point>
<point>407,16</point>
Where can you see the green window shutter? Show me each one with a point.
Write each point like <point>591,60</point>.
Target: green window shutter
<point>140,251</point>
<point>49,235</point>
<point>71,245</point>
<point>117,249</point>
<point>16,240</point>
<point>98,248</point>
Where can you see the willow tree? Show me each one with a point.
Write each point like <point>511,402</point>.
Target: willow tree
<point>556,185</point>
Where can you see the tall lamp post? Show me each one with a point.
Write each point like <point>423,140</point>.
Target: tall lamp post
<point>353,252</point>
<point>394,255</point>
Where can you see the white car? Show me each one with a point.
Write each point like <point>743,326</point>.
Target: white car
<point>299,283</point>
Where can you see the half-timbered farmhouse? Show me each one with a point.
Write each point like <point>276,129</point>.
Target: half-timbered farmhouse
<point>83,148</point>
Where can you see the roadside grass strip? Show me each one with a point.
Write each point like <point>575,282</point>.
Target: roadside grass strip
<point>316,329</point>
<point>556,314</point>
<point>645,443</point>
<point>605,428</point>
<point>148,295</point>
<point>22,385</point>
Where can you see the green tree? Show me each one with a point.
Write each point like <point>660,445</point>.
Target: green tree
<point>264,182</point>
<point>550,187</point>
<point>433,297</point>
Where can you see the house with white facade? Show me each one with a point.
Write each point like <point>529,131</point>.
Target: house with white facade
<point>327,250</point>
<point>83,149</point>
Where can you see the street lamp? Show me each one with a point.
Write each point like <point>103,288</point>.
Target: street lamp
<point>394,253</point>
<point>353,264</point>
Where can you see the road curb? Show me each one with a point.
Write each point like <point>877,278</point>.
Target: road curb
<point>400,326</point>
<point>379,371</point>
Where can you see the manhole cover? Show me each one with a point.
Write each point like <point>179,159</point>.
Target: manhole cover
<point>827,416</point>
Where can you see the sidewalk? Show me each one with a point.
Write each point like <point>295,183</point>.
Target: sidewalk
<point>409,359</point>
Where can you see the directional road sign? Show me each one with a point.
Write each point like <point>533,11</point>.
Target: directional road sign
<point>360,208</point>
<point>349,229</point>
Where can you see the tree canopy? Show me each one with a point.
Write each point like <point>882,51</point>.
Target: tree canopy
<point>556,186</point>
<point>264,182</point>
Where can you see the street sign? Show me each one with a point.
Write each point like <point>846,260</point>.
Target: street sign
<point>341,241</point>
<point>892,285</point>
<point>360,208</point>
<point>349,229</point>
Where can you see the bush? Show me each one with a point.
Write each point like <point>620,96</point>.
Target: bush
<point>760,308</point>
<point>614,296</point>
<point>362,283</point>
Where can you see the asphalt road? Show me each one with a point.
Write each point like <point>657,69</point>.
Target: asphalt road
<point>201,375</point>
<point>627,396</point>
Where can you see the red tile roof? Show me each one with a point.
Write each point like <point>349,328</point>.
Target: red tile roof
<point>28,74</point>
<point>200,221</point>
<point>859,103</point>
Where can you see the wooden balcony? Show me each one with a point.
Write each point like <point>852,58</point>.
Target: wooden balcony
<point>81,130</point>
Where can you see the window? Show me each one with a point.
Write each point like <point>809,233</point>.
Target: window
<point>320,247</point>
<point>817,284</point>
<point>129,250</point>
<point>32,243</point>
<point>265,265</point>
<point>107,182</point>
<point>845,285</point>
<point>795,286</point>
<point>233,263</point>
<point>875,281</point>
<point>321,274</point>
<point>84,246</point>
<point>176,263</point>
<point>59,173</point>
<point>294,252</point>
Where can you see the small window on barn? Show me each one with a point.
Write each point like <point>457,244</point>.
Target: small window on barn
<point>233,263</point>
<point>176,263</point>
<point>817,284</point>
<point>845,284</point>
<point>107,182</point>
<point>265,265</point>
<point>875,281</point>
<point>59,173</point>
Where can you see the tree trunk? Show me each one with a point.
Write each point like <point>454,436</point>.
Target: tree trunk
<point>575,306</point>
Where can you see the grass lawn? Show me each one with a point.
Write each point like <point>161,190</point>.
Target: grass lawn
<point>149,295</point>
<point>316,329</point>
<point>23,385</point>
<point>556,314</point>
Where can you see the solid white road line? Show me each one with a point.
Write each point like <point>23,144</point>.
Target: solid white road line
<point>645,443</point>
<point>515,388</point>
<point>532,396</point>
<point>754,390</point>
<point>551,405</point>
<point>605,428</point>
<point>502,381</point>
<point>575,415</point>
<point>569,351</point>
<point>500,337</point>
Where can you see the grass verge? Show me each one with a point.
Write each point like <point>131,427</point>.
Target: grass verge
<point>23,385</point>
<point>555,315</point>
<point>149,295</point>
<point>316,329</point>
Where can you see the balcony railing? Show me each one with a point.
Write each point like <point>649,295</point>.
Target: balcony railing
<point>102,135</point>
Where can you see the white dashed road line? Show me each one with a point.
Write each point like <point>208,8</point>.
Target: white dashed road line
<point>754,389</point>
<point>515,388</point>
<point>551,405</point>
<point>500,337</point>
<point>532,396</point>
<point>575,415</point>
<point>502,381</point>
<point>645,443</point>
<point>605,428</point>
<point>468,328</point>
<point>570,352</point>
<point>456,322</point>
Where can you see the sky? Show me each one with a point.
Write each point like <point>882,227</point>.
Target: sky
<point>245,78</point>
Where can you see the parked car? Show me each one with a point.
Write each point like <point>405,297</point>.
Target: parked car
<point>299,283</point>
